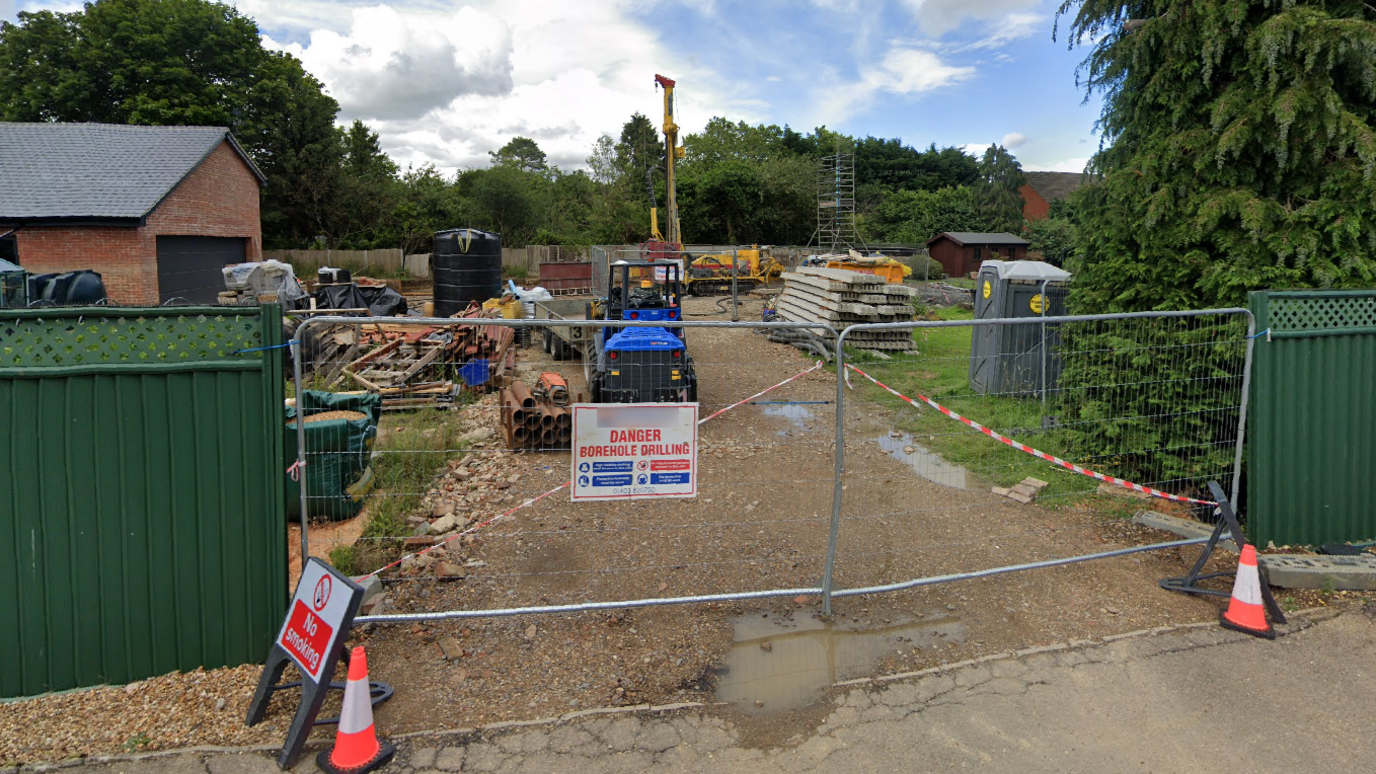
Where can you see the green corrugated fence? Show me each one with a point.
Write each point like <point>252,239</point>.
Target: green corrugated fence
<point>1311,450</point>
<point>145,528</point>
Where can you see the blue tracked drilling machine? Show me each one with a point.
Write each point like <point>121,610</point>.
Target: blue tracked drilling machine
<point>642,364</point>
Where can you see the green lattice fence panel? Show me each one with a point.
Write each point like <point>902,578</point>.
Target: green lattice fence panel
<point>142,514</point>
<point>1321,312</point>
<point>77,340</point>
<point>1311,451</point>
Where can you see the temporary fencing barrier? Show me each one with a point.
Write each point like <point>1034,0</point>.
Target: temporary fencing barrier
<point>1149,404</point>
<point>494,510</point>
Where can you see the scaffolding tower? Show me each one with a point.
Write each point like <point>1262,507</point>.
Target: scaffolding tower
<point>836,231</point>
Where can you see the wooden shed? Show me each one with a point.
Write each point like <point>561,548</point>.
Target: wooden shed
<point>961,252</point>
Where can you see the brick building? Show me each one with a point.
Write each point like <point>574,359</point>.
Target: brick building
<point>1040,189</point>
<point>156,210</point>
<point>961,252</point>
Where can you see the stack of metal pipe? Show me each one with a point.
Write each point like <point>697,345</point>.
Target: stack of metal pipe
<point>529,423</point>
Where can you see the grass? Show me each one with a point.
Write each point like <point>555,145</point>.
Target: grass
<point>940,370</point>
<point>410,450</point>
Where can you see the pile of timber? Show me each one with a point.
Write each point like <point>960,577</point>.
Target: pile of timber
<point>842,298</point>
<point>417,367</point>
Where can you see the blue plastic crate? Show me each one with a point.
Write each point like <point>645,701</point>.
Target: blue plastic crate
<point>475,372</point>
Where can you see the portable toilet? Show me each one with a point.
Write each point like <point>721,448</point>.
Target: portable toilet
<point>1016,359</point>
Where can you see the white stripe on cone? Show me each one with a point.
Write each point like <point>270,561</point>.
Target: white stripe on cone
<point>1247,587</point>
<point>357,714</point>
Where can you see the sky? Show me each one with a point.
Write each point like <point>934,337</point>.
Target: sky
<point>444,83</point>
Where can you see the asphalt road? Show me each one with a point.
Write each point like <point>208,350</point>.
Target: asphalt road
<point>1195,699</point>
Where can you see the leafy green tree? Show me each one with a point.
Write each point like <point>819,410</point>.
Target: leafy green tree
<point>1238,155</point>
<point>996,190</point>
<point>289,131</point>
<point>425,203</point>
<point>368,191</point>
<point>1055,238</point>
<point>913,217</point>
<point>174,62</point>
<point>504,199</point>
<point>521,153</point>
<point>619,211</point>
<point>788,214</point>
<point>1239,150</point>
<point>721,141</point>
<point>158,62</point>
<point>639,153</point>
<point>723,201</point>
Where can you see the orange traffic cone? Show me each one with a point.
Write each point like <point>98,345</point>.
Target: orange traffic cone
<point>1245,612</point>
<point>356,748</point>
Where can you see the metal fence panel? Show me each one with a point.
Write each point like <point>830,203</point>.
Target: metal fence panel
<point>1309,464</point>
<point>499,506</point>
<point>1154,399</point>
<point>142,482</point>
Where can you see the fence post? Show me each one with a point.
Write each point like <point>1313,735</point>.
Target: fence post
<point>828,571</point>
<point>296,355</point>
<point>1242,409</point>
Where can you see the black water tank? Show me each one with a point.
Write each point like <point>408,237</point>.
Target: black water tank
<point>73,288</point>
<point>467,266</point>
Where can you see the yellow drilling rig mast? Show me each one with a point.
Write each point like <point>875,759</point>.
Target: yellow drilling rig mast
<point>672,153</point>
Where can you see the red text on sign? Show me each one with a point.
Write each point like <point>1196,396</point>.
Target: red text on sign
<point>634,436</point>
<point>660,465</point>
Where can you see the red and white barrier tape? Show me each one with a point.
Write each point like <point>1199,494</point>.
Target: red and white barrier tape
<point>566,484</point>
<point>762,392</point>
<point>1025,448</point>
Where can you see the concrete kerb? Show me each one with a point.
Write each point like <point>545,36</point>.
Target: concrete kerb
<point>1299,621</point>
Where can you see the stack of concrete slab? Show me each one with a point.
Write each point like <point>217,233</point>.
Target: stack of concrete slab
<point>843,298</point>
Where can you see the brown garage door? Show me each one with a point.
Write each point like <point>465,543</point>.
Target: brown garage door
<point>189,267</point>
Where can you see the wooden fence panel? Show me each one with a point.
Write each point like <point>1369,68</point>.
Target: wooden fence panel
<point>306,262</point>
<point>417,265</point>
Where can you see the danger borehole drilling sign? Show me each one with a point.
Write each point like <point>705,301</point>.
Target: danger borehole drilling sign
<point>635,450</point>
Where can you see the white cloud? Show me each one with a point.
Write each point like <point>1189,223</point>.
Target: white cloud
<point>392,65</point>
<point>1013,140</point>
<point>903,71</point>
<point>976,149</point>
<point>446,86</point>
<point>564,115</point>
<point>938,17</point>
<point>1063,165</point>
<point>911,71</point>
<point>9,7</point>
<point>1010,28</point>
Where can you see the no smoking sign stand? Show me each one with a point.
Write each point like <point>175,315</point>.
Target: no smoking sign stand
<point>312,638</point>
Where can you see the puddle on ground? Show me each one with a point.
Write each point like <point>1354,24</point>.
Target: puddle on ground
<point>799,416</point>
<point>804,656</point>
<point>923,461</point>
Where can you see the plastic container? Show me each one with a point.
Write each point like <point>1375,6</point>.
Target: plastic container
<point>466,265</point>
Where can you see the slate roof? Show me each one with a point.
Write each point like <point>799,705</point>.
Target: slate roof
<point>1054,185</point>
<point>974,238</point>
<point>98,172</point>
